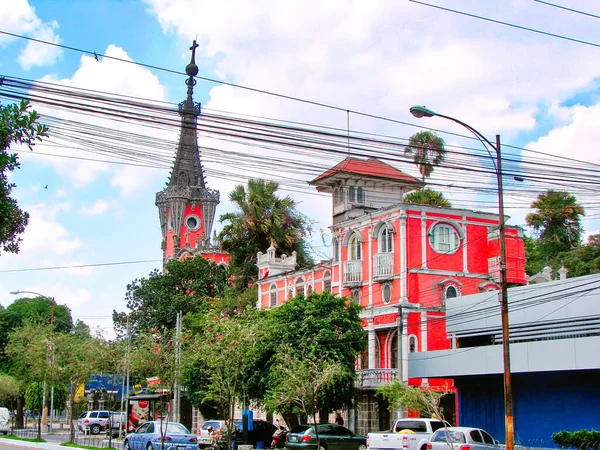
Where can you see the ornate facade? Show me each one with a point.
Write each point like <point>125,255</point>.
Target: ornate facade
<point>187,206</point>
<point>400,262</point>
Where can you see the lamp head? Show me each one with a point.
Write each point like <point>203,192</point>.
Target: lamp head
<point>421,111</point>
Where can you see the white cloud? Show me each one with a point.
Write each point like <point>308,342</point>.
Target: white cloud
<point>19,17</point>
<point>112,76</point>
<point>99,207</point>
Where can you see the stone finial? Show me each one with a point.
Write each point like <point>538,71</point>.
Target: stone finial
<point>547,271</point>
<point>562,273</point>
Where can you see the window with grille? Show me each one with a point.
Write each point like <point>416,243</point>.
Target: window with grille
<point>354,248</point>
<point>444,238</point>
<point>352,194</point>
<point>273,294</point>
<point>385,240</point>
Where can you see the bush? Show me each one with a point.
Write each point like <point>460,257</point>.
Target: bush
<point>582,439</point>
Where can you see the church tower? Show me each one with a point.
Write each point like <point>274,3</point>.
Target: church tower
<point>186,206</point>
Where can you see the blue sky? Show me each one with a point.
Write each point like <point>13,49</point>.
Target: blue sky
<point>379,57</point>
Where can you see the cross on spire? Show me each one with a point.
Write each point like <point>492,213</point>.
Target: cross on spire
<point>193,49</point>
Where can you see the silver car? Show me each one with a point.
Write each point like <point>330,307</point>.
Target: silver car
<point>92,421</point>
<point>462,438</point>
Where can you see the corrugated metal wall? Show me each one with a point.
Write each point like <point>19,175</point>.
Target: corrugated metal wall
<point>544,403</point>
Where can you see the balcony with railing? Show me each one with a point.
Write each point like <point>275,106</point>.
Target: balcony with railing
<point>384,266</point>
<point>375,378</point>
<point>353,273</point>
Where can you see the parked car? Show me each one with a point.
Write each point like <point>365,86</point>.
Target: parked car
<point>175,436</point>
<point>262,431</point>
<point>331,436</point>
<point>4,421</point>
<point>92,421</point>
<point>117,422</point>
<point>462,438</point>
<point>407,434</point>
<point>205,438</point>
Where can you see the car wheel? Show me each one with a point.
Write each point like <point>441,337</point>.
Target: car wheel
<point>322,447</point>
<point>95,429</point>
<point>364,447</point>
<point>126,445</point>
<point>149,447</point>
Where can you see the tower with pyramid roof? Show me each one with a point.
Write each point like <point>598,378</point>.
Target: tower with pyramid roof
<point>186,206</point>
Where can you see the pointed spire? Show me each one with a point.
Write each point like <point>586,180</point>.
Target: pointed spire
<point>187,169</point>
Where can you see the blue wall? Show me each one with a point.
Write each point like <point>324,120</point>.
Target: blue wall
<point>108,382</point>
<point>543,403</point>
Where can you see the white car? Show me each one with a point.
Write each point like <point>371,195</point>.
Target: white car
<point>205,438</point>
<point>4,421</point>
<point>462,438</point>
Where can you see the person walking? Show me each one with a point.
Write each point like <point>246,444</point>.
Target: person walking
<point>339,420</point>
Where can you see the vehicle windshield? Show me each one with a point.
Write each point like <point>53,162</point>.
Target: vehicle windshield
<point>83,415</point>
<point>456,437</point>
<point>175,428</point>
<point>299,429</point>
<point>418,426</point>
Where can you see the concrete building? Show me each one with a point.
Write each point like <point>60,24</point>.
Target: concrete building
<point>555,362</point>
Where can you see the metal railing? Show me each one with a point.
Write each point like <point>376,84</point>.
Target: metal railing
<point>375,378</point>
<point>353,271</point>
<point>384,265</point>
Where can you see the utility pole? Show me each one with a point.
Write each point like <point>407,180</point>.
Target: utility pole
<point>126,393</point>
<point>399,340</point>
<point>177,389</point>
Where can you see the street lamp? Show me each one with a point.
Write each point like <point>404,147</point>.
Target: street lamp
<point>421,111</point>
<point>51,323</point>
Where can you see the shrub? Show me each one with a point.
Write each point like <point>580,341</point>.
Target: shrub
<point>582,439</point>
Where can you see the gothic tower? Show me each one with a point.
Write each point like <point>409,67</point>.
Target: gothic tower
<point>186,206</point>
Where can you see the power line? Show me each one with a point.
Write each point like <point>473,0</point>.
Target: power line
<point>568,9</point>
<point>500,22</point>
<point>79,266</point>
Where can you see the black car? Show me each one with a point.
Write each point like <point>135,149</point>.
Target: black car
<point>262,432</point>
<point>331,436</point>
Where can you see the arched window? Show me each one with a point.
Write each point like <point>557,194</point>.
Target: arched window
<point>337,196</point>
<point>444,238</point>
<point>299,288</point>
<point>356,296</point>
<point>273,294</point>
<point>336,250</point>
<point>352,194</point>
<point>327,281</point>
<point>290,293</point>
<point>412,344</point>
<point>385,240</point>
<point>386,292</point>
<point>360,196</point>
<point>451,291</point>
<point>354,248</point>
<point>309,289</point>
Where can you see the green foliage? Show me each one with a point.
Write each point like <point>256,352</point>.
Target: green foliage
<point>34,394</point>
<point>298,383</point>
<point>557,221</point>
<point>18,125</point>
<point>262,218</point>
<point>36,310</point>
<point>428,151</point>
<point>222,360</point>
<point>325,327</point>
<point>533,255</point>
<point>582,439</point>
<point>427,196</point>
<point>185,286</point>
<point>10,389</point>
<point>153,355</point>
<point>425,401</point>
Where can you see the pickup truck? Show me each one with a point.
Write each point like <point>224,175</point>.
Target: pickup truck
<point>407,434</point>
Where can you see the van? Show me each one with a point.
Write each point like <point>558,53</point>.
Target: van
<point>4,421</point>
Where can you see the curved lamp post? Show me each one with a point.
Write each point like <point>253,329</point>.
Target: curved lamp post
<point>53,303</point>
<point>419,112</point>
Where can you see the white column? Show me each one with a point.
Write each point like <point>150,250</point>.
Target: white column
<point>372,345</point>
<point>425,381</point>
<point>423,240</point>
<point>465,246</point>
<point>402,250</point>
<point>404,342</point>
<point>259,295</point>
<point>370,247</point>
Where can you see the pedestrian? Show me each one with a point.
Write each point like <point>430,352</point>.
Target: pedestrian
<point>339,419</point>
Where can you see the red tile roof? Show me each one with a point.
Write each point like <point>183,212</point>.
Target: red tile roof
<point>371,167</point>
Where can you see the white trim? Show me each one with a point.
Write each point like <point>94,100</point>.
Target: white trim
<point>465,246</point>
<point>450,273</point>
<point>424,331</point>
<point>403,257</point>
<point>372,344</point>
<point>423,240</point>
<point>370,250</point>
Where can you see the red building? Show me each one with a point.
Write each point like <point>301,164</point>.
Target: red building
<point>400,262</point>
<point>187,206</point>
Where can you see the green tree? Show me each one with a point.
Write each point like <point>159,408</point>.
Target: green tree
<point>18,125</point>
<point>427,197</point>
<point>223,360</point>
<point>262,218</point>
<point>557,221</point>
<point>324,327</point>
<point>33,396</point>
<point>185,286</point>
<point>297,384</point>
<point>10,390</point>
<point>428,151</point>
<point>425,401</point>
<point>38,310</point>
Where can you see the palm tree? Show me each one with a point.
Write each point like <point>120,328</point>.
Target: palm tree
<point>428,151</point>
<point>262,219</point>
<point>557,221</point>
<point>427,197</point>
